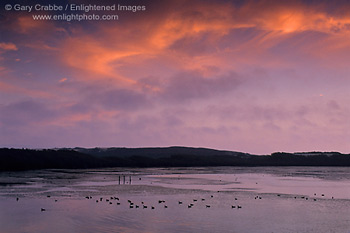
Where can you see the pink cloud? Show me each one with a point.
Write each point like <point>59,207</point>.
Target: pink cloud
<point>8,47</point>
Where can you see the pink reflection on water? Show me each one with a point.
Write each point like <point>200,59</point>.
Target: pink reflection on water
<point>279,208</point>
<point>260,183</point>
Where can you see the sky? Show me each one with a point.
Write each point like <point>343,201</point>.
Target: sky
<point>254,76</point>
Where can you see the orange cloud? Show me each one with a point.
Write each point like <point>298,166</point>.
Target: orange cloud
<point>71,119</point>
<point>291,16</point>
<point>104,56</point>
<point>62,80</point>
<point>216,19</point>
<point>97,60</point>
<point>104,60</point>
<point>273,23</point>
<point>8,47</point>
<point>297,20</point>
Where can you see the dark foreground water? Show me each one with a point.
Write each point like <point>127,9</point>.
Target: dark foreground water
<point>220,199</point>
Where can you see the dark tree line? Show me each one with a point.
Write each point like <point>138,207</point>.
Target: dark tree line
<point>26,159</point>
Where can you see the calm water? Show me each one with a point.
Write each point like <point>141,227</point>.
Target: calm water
<point>272,199</point>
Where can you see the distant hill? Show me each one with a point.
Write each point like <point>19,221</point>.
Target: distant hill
<point>81,158</point>
<point>155,152</point>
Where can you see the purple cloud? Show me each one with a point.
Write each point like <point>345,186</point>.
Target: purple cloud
<point>192,85</point>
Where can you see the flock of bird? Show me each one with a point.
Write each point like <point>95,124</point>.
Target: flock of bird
<point>143,205</point>
<point>116,200</point>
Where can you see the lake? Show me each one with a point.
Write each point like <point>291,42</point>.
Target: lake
<point>206,199</point>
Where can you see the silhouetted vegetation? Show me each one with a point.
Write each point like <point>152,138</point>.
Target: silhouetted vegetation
<point>26,159</point>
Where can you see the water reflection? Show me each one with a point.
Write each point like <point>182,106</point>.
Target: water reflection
<point>183,200</point>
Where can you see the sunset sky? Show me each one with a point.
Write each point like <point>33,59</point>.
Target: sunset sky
<point>251,76</point>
